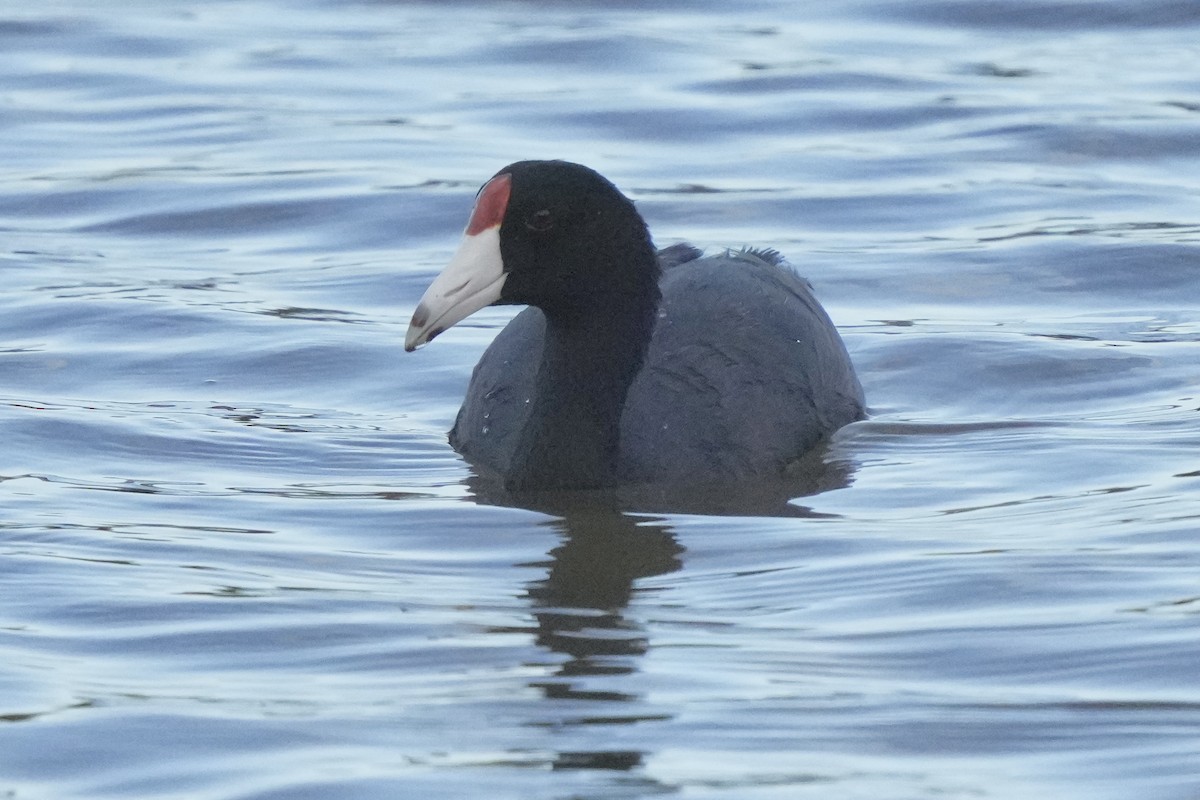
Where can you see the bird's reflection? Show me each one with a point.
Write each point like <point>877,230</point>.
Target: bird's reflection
<point>776,497</point>
<point>610,541</point>
<point>580,604</point>
<point>580,609</point>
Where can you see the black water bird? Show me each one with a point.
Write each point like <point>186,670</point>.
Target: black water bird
<point>631,366</point>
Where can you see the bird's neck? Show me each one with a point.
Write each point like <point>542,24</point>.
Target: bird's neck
<point>589,360</point>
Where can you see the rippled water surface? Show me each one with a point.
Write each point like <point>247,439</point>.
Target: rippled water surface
<point>240,560</point>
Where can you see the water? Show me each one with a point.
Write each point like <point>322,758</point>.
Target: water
<point>240,561</point>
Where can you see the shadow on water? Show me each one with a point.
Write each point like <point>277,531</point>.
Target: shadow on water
<point>581,605</point>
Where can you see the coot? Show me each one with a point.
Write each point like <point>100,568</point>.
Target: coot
<point>631,366</point>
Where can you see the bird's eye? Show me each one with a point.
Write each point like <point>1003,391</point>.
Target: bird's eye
<point>540,221</point>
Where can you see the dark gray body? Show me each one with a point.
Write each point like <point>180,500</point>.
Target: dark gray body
<point>745,372</point>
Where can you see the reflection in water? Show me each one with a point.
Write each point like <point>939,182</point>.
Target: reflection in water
<point>580,612</point>
<point>580,606</point>
<point>810,475</point>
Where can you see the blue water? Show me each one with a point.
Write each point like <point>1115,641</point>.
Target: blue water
<point>239,559</point>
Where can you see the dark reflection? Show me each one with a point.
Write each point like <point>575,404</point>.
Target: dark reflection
<point>810,475</point>
<point>580,604</point>
<point>609,541</point>
<point>580,611</point>
<point>608,759</point>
